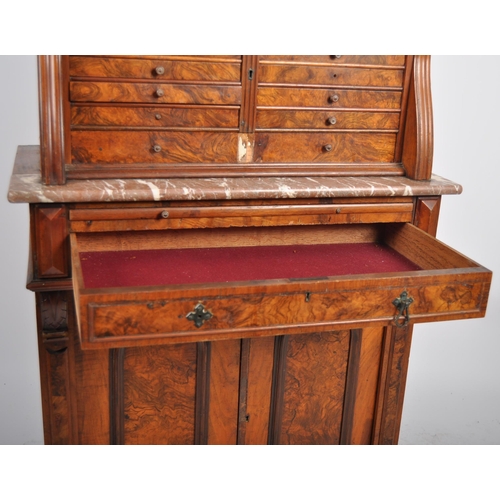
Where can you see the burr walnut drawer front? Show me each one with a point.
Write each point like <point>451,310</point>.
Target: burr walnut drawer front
<point>328,98</point>
<point>157,93</point>
<point>178,68</point>
<point>218,284</point>
<point>130,147</point>
<point>154,116</point>
<point>330,76</point>
<point>268,118</point>
<point>325,147</point>
<point>373,60</point>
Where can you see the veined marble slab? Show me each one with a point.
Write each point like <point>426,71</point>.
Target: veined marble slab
<point>26,187</point>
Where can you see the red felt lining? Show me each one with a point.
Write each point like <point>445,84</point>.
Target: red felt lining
<point>218,265</point>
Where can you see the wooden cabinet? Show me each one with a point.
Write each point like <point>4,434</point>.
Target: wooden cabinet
<point>235,249</point>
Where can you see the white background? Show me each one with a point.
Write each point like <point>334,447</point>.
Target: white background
<point>453,387</point>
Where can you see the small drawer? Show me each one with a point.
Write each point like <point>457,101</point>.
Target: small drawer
<point>335,98</point>
<point>154,93</point>
<point>122,147</point>
<point>324,147</point>
<point>223,287</point>
<point>330,75</point>
<point>293,119</point>
<point>154,68</point>
<point>154,116</point>
<point>363,60</point>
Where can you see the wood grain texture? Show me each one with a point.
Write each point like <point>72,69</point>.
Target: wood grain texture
<point>331,76</point>
<point>224,388</point>
<point>258,392</point>
<point>136,147</point>
<point>314,388</point>
<point>159,394</point>
<point>367,386</point>
<point>139,93</point>
<point>293,119</point>
<point>338,60</point>
<point>117,67</point>
<point>362,147</point>
<point>153,117</point>
<point>302,97</point>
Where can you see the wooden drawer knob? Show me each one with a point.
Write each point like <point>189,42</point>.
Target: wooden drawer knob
<point>333,98</point>
<point>332,120</point>
<point>159,93</point>
<point>159,70</point>
<point>327,148</point>
<point>156,148</point>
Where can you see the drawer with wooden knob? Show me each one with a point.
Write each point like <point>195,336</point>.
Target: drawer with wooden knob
<point>123,92</point>
<point>146,147</point>
<point>334,98</point>
<point>291,74</point>
<point>328,147</point>
<point>224,285</point>
<point>271,118</point>
<point>373,60</point>
<point>159,68</point>
<point>91,116</point>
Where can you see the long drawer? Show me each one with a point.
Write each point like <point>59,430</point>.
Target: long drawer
<point>92,91</point>
<point>160,68</point>
<point>321,147</point>
<point>364,60</point>
<point>325,119</point>
<point>335,98</point>
<point>120,147</point>
<point>155,116</point>
<point>221,284</point>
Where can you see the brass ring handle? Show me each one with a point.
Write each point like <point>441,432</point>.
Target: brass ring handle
<point>159,93</point>
<point>332,120</point>
<point>165,214</point>
<point>159,70</point>
<point>156,148</point>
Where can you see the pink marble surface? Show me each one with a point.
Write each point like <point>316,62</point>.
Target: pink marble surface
<point>26,187</point>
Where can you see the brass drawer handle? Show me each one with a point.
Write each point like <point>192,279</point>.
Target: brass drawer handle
<point>159,93</point>
<point>199,315</point>
<point>156,148</point>
<point>327,148</point>
<point>333,98</point>
<point>159,70</point>
<point>332,120</point>
<point>158,116</point>
<point>402,303</point>
<point>165,214</point>
<point>335,57</point>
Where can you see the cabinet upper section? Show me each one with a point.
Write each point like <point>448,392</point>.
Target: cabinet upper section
<point>234,116</point>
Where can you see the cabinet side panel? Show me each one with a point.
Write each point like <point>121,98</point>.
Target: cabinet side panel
<point>159,394</point>
<point>314,388</point>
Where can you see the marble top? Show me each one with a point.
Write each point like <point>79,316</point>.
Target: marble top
<point>26,187</point>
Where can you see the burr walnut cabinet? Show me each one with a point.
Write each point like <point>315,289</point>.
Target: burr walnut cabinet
<point>235,249</point>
